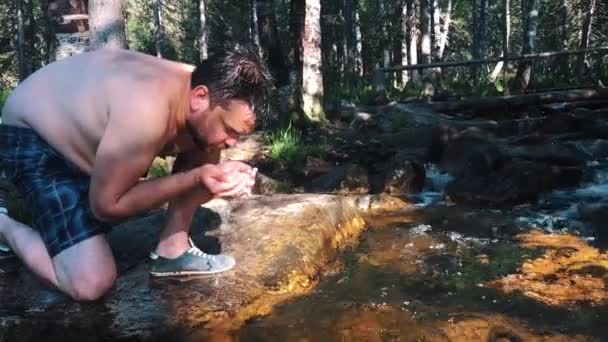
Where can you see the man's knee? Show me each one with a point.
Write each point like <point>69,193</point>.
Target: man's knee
<point>92,285</point>
<point>86,271</point>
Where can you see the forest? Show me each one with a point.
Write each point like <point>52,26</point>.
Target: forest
<point>362,52</point>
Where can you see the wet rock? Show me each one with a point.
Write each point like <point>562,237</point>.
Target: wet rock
<point>556,153</point>
<point>403,176</point>
<point>282,244</point>
<point>518,181</point>
<point>265,185</point>
<point>471,155</point>
<point>349,178</point>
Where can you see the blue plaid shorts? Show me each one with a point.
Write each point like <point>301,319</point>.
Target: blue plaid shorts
<point>54,189</point>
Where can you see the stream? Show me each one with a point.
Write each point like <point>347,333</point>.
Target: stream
<point>427,280</point>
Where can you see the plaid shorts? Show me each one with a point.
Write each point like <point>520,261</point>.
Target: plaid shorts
<point>54,189</point>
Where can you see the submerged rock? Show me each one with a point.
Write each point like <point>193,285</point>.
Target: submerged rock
<point>569,272</point>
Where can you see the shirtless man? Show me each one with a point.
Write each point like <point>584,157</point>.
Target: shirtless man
<point>77,135</point>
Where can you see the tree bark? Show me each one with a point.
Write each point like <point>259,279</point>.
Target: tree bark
<point>585,34</point>
<point>405,75</point>
<point>351,44</point>
<point>157,27</point>
<point>269,41</point>
<point>69,26</point>
<point>413,10</point>
<point>107,24</point>
<point>436,27</point>
<point>530,22</point>
<point>255,34</point>
<point>447,18</point>
<point>425,31</point>
<point>479,35</point>
<point>312,83</point>
<point>296,38</point>
<point>21,41</point>
<point>359,44</point>
<point>505,46</point>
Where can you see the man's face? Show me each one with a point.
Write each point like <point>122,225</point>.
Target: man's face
<point>221,126</point>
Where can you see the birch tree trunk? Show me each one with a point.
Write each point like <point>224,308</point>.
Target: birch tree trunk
<point>405,74</point>
<point>585,34</point>
<point>157,27</point>
<point>425,32</point>
<point>530,22</point>
<point>414,23</point>
<point>107,23</point>
<point>255,33</point>
<point>358,44</point>
<point>70,28</point>
<point>312,77</point>
<point>445,31</point>
<point>436,27</point>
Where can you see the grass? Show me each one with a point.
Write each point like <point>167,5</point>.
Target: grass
<point>287,147</point>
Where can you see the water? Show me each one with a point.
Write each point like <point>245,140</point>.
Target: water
<point>431,280</point>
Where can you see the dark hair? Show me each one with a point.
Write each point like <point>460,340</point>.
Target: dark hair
<point>235,73</point>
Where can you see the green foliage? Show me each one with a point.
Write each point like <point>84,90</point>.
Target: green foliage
<point>287,147</point>
<point>4,93</point>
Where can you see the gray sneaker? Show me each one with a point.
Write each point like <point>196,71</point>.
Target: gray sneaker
<point>192,262</point>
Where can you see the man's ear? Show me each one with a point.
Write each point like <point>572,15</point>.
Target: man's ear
<point>199,99</point>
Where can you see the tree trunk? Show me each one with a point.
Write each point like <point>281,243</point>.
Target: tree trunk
<point>405,74</point>
<point>562,61</point>
<point>312,77</point>
<point>413,10</point>
<point>157,27</point>
<point>359,44</point>
<point>351,44</point>
<point>585,34</point>
<point>425,31</point>
<point>269,41</point>
<point>21,41</point>
<point>530,22</point>
<point>255,33</point>
<point>385,39</point>
<point>296,37</point>
<point>505,46</point>
<point>69,26</point>
<point>107,24</point>
<point>445,31</point>
<point>436,27</point>
<point>479,23</point>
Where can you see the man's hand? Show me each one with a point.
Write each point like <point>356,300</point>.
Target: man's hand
<point>229,179</point>
<point>241,174</point>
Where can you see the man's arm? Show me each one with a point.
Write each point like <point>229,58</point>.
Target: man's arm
<point>135,133</point>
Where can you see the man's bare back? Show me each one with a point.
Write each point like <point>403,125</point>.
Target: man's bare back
<point>69,103</point>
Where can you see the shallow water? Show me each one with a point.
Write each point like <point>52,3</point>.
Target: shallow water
<point>427,281</point>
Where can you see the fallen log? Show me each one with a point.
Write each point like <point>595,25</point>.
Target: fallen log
<point>516,101</point>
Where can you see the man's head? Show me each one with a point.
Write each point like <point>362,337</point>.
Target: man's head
<point>226,91</point>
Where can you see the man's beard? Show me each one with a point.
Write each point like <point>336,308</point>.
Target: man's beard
<point>198,139</point>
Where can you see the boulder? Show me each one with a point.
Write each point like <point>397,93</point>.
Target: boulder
<point>517,182</point>
<point>403,175</point>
